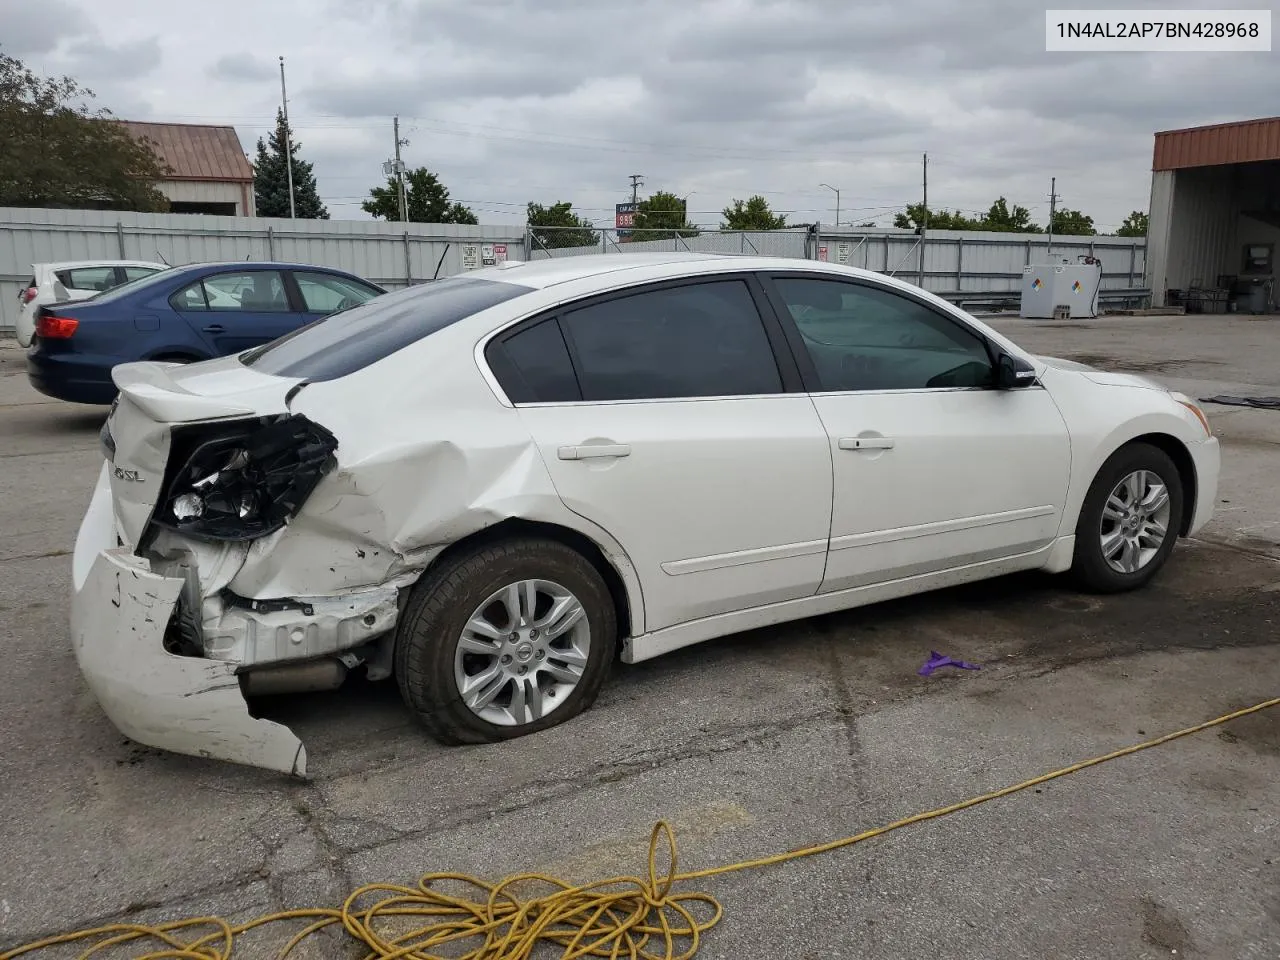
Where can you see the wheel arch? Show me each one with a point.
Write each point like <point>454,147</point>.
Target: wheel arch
<point>628,609</point>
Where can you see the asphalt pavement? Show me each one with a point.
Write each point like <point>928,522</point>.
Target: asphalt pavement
<point>752,744</point>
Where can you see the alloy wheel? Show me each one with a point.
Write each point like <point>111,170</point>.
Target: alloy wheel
<point>1135,521</point>
<point>522,652</point>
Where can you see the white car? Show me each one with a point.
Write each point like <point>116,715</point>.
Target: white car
<point>493,485</point>
<point>73,280</point>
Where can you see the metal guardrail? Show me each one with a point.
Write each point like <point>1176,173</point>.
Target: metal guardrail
<point>1126,296</point>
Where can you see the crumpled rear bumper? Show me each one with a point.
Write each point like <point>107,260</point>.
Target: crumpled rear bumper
<point>119,613</point>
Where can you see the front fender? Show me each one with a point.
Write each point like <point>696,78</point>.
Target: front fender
<point>1102,417</point>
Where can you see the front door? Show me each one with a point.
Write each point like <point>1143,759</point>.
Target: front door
<point>934,468</point>
<point>661,417</point>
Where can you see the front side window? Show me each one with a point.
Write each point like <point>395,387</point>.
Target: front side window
<point>325,293</point>
<point>862,337</point>
<point>254,291</point>
<point>696,340</point>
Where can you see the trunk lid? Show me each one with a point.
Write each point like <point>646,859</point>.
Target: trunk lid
<point>156,397</point>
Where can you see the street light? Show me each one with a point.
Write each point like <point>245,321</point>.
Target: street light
<point>837,193</point>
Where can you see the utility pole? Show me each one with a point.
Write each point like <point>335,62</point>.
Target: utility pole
<point>288,140</point>
<point>1053,206</point>
<point>836,191</point>
<point>404,200</point>
<point>637,181</point>
<point>924,222</point>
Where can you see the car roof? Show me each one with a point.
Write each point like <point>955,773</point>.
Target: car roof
<point>539,274</point>
<point>104,262</point>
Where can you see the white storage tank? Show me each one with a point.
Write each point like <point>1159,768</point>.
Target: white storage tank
<point>1065,288</point>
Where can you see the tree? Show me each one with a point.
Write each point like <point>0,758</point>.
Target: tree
<point>426,197</point>
<point>58,151</point>
<point>271,178</point>
<point>1001,219</point>
<point>1073,223</point>
<point>869,223</point>
<point>558,226</point>
<point>1135,225</point>
<point>754,214</point>
<point>914,217</point>
<point>660,216</point>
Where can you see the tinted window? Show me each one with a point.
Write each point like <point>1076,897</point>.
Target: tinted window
<point>88,278</point>
<point>534,366</point>
<point>253,291</point>
<point>699,340</point>
<point>137,273</point>
<point>344,342</point>
<point>325,293</point>
<point>864,338</point>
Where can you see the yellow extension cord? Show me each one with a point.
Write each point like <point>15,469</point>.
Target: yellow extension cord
<point>622,917</point>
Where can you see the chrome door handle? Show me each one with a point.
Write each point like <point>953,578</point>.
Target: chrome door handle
<point>866,443</point>
<point>593,451</point>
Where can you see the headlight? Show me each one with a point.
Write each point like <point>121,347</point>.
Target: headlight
<point>246,483</point>
<point>1191,405</point>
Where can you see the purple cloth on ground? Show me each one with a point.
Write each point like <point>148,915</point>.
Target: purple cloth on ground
<point>937,661</point>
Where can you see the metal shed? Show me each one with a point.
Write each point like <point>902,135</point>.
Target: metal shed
<point>208,170</point>
<point>1215,217</point>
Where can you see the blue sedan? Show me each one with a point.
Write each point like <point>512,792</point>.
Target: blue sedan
<point>183,314</point>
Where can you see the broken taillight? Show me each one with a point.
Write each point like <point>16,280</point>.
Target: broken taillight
<point>247,483</point>
<point>49,327</point>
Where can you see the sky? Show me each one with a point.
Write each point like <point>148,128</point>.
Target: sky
<point>511,101</point>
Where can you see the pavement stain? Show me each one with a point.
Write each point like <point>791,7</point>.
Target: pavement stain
<point>1162,928</point>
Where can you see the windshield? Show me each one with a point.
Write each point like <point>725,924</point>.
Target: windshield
<point>131,286</point>
<point>344,342</point>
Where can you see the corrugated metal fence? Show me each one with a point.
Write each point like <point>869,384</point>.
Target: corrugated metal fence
<point>960,265</point>
<point>390,254</point>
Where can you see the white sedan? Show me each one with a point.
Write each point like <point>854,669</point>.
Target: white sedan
<point>491,487</point>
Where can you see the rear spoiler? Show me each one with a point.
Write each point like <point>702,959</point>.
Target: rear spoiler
<point>151,387</point>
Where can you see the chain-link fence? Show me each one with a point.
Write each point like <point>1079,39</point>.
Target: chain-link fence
<point>546,242</point>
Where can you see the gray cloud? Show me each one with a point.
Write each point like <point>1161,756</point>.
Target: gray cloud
<point>125,61</point>
<point>242,66</point>
<point>518,100</point>
<point>37,28</point>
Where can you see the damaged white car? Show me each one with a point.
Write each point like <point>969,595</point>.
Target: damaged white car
<point>492,486</point>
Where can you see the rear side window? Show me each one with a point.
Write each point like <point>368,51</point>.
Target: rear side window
<point>88,278</point>
<point>342,343</point>
<point>137,273</point>
<point>695,340</point>
<point>534,366</point>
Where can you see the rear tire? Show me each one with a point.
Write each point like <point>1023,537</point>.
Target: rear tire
<point>473,674</point>
<point>1130,521</point>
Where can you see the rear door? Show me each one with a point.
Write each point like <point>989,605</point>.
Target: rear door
<point>668,417</point>
<point>234,310</point>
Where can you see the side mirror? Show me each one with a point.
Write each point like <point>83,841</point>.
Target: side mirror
<point>1013,372</point>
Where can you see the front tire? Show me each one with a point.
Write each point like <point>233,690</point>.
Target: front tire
<point>1130,520</point>
<point>505,640</point>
